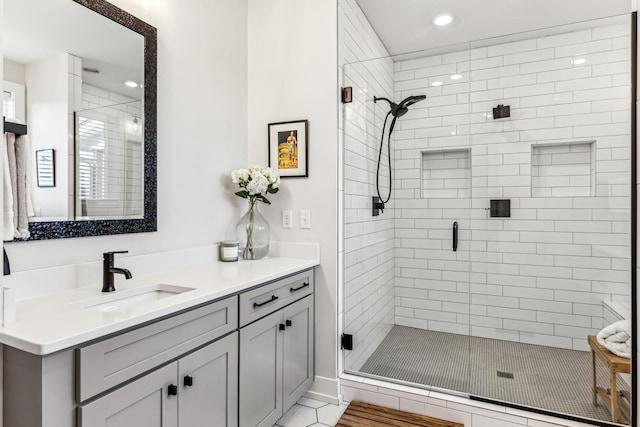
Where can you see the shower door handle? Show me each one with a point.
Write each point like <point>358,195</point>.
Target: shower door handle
<point>455,236</point>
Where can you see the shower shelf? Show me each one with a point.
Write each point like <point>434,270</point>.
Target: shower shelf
<point>566,169</point>
<point>446,174</point>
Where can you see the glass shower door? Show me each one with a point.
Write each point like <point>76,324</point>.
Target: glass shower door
<point>406,271</point>
<point>550,259</point>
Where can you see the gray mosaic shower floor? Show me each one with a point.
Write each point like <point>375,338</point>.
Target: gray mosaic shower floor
<point>543,377</point>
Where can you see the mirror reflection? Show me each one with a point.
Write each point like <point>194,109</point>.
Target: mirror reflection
<point>75,78</point>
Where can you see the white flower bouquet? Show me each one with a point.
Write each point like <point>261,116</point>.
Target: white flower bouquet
<point>256,183</point>
<point>252,231</point>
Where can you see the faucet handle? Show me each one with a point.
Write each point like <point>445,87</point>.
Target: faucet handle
<point>109,255</point>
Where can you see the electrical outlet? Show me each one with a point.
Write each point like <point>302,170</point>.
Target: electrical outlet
<point>305,219</point>
<point>287,219</point>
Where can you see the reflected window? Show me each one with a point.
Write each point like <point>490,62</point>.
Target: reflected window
<point>92,169</point>
<point>8,104</point>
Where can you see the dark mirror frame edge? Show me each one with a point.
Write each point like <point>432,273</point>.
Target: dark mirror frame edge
<point>73,228</point>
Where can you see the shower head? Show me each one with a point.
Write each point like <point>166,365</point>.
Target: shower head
<point>410,100</point>
<point>399,110</point>
<point>402,108</point>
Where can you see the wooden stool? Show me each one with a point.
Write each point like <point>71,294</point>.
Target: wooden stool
<point>616,365</point>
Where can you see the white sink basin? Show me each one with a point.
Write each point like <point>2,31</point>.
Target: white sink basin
<point>133,297</point>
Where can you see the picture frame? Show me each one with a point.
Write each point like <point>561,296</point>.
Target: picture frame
<point>46,167</point>
<point>289,148</point>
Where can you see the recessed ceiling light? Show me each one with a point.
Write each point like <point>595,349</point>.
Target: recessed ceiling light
<point>436,84</point>
<point>456,77</point>
<point>131,83</point>
<point>579,61</point>
<point>443,19</point>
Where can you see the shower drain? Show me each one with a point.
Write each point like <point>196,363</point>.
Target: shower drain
<point>502,374</point>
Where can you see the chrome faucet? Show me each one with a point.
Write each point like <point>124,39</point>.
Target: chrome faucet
<point>108,270</point>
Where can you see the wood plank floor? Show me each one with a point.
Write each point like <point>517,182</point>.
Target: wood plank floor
<point>360,414</point>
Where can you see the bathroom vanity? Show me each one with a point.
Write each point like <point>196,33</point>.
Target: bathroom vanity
<point>241,357</point>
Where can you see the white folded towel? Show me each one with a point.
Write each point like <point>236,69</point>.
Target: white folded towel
<point>617,338</point>
<point>8,226</point>
<point>29,175</point>
<point>22,155</point>
<point>13,178</point>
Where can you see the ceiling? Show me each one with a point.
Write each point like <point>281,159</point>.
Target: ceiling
<point>64,26</point>
<point>406,26</point>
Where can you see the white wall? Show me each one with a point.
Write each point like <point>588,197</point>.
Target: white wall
<point>293,76</point>
<point>14,72</point>
<point>202,111</point>
<point>48,98</point>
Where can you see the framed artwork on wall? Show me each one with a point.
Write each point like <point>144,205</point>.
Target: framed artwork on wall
<point>289,148</point>
<point>46,168</point>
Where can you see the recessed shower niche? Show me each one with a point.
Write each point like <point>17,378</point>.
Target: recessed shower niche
<point>563,170</point>
<point>446,174</point>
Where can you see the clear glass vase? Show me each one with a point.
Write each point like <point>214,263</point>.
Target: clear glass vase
<point>253,233</point>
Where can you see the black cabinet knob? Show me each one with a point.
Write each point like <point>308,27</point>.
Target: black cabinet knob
<point>173,390</point>
<point>281,327</point>
<point>188,381</point>
<point>288,322</point>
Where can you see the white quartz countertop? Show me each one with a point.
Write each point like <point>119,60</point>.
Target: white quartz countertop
<point>48,323</point>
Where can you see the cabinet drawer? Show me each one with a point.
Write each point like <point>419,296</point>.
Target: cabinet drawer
<point>266,299</point>
<point>108,363</point>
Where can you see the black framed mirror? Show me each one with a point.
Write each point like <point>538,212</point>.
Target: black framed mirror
<point>138,112</point>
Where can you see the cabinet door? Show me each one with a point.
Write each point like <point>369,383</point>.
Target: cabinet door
<point>298,364</point>
<point>142,403</point>
<point>261,371</point>
<point>209,385</point>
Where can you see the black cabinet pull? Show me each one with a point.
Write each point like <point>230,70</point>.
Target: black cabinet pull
<point>288,323</point>
<point>304,285</point>
<point>281,327</point>
<point>273,298</point>
<point>188,381</point>
<point>455,236</point>
<point>173,390</point>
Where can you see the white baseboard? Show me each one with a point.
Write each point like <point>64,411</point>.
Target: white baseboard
<point>325,390</point>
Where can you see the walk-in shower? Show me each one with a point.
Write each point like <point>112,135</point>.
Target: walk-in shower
<point>506,316</point>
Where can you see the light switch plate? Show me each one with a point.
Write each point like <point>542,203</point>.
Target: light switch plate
<point>287,219</point>
<point>305,219</point>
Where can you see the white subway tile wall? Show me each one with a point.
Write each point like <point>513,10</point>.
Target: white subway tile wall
<point>562,158</point>
<point>368,241</point>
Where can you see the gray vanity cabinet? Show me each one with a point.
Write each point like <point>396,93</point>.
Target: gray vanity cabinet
<point>208,385</point>
<point>142,403</point>
<point>196,390</point>
<point>298,366</point>
<point>183,370</point>
<point>261,372</point>
<point>276,363</point>
<point>123,380</point>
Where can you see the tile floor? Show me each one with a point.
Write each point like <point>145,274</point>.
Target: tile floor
<point>311,412</point>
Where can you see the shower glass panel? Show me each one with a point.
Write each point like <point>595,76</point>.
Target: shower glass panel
<point>406,277</point>
<point>524,144</point>
<point>555,267</point>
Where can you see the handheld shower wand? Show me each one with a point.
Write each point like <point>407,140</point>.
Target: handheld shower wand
<point>396,110</point>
